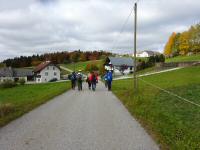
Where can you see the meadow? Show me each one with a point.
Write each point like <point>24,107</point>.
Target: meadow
<point>184,58</point>
<point>82,65</point>
<point>16,101</point>
<point>172,122</point>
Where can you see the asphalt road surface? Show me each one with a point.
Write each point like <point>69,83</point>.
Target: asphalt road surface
<point>83,120</point>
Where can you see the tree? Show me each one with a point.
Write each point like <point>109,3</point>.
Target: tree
<point>83,57</point>
<point>169,45</point>
<point>2,65</point>
<point>184,43</point>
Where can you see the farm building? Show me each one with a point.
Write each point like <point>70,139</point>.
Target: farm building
<point>119,65</point>
<point>15,74</point>
<point>47,71</point>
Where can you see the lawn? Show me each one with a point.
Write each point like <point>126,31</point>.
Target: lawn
<point>173,123</point>
<point>21,99</point>
<point>82,65</point>
<point>184,58</point>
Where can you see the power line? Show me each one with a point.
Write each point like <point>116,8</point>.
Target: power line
<point>123,27</point>
<point>170,93</point>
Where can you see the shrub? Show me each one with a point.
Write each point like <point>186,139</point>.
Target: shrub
<point>5,109</point>
<point>8,84</point>
<point>22,81</point>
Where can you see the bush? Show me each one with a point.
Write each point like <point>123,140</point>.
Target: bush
<point>22,81</point>
<point>5,109</point>
<point>8,84</point>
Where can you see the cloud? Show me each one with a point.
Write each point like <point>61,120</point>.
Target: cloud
<point>39,26</point>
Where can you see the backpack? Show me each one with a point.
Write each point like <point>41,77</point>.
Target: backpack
<point>72,77</point>
<point>79,76</point>
<point>94,79</point>
<point>109,77</point>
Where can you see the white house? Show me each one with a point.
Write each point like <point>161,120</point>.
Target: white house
<point>119,65</point>
<point>46,71</point>
<point>146,53</point>
<point>14,74</point>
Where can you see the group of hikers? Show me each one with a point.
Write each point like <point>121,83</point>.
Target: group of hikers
<point>92,80</point>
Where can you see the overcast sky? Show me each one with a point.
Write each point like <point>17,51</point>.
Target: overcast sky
<point>37,26</point>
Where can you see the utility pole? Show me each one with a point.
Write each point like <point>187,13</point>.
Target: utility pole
<point>135,47</point>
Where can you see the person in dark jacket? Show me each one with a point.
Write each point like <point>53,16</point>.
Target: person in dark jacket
<point>105,80</point>
<point>89,80</point>
<point>93,81</point>
<point>73,80</point>
<point>80,80</point>
<point>109,80</point>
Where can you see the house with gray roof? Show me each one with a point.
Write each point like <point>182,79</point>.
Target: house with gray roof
<point>14,74</point>
<point>119,65</point>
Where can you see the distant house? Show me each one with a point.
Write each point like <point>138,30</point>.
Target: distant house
<point>119,65</point>
<point>146,53</point>
<point>46,72</point>
<point>9,73</point>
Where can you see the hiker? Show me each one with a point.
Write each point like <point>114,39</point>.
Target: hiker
<point>94,81</point>
<point>105,80</point>
<point>109,79</point>
<point>72,77</point>
<point>79,80</point>
<point>89,80</point>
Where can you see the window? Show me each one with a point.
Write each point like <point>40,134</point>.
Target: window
<point>46,73</point>
<point>55,73</point>
<point>53,68</point>
<point>38,80</point>
<point>47,68</point>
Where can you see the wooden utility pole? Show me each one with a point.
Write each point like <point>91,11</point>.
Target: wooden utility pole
<point>135,47</point>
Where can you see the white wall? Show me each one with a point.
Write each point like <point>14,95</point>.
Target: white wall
<point>144,54</point>
<point>2,79</point>
<point>117,72</point>
<point>48,73</point>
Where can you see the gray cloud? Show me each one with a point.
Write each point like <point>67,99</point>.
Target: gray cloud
<point>38,26</point>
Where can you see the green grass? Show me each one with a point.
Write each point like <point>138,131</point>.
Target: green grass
<point>184,58</point>
<point>173,123</point>
<point>146,70</point>
<point>25,98</point>
<point>82,65</point>
<point>64,72</point>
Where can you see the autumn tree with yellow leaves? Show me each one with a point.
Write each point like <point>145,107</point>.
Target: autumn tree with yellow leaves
<point>168,47</point>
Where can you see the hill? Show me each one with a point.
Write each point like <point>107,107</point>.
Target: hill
<point>82,65</point>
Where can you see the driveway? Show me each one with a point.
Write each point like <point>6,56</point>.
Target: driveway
<point>83,120</point>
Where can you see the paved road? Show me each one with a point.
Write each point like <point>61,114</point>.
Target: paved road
<point>77,121</point>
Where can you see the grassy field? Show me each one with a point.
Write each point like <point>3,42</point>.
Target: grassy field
<point>184,58</point>
<point>64,72</point>
<point>173,123</point>
<point>82,65</point>
<point>16,101</point>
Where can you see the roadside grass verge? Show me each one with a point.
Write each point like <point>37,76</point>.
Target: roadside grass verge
<point>174,124</point>
<point>82,65</point>
<point>14,102</point>
<point>184,58</point>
